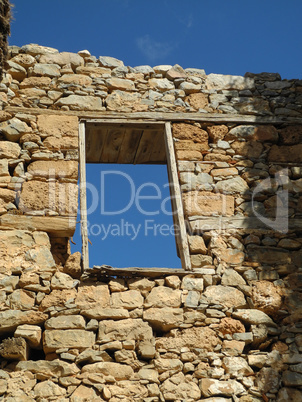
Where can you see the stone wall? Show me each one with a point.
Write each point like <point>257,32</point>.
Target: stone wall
<point>228,330</point>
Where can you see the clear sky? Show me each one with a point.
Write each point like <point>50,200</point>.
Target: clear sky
<point>220,36</point>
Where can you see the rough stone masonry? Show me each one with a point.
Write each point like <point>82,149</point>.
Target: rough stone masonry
<point>230,329</point>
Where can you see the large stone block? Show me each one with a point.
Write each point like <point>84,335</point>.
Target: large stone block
<point>128,329</point>
<point>285,153</point>
<point>48,369</point>
<point>164,319</point>
<point>162,296</point>
<point>62,59</point>
<point>51,169</point>
<point>57,126</point>
<point>118,371</point>
<point>225,295</point>
<point>11,319</point>
<point>9,150</point>
<point>95,295</point>
<point>69,338</point>
<point>129,300</point>
<point>32,334</point>
<point>78,102</point>
<point>61,198</point>
<point>204,203</point>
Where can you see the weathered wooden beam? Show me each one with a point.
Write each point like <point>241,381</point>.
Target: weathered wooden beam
<point>161,116</point>
<point>56,226</point>
<point>105,270</point>
<point>204,224</point>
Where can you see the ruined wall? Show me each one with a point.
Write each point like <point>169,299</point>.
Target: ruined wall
<point>231,328</point>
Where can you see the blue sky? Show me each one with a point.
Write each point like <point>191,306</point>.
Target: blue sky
<point>225,37</point>
<point>221,36</point>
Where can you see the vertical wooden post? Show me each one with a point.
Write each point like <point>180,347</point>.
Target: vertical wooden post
<point>177,207</point>
<point>83,199</point>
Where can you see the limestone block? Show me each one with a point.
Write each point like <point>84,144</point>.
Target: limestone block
<point>232,278</point>
<point>162,296</point>
<point>217,132</point>
<point>269,255</point>
<point>34,49</point>
<point>258,133</point>
<point>57,169</point>
<point>8,283</point>
<point>289,394</point>
<point>62,281</point>
<point>210,387</point>
<point>178,387</point>
<point>148,374</point>
<point>171,365</point>
<point>220,81</point>
<point>49,369</point>
<point>93,71</point>
<point>205,203</point>
<point>78,102</point>
<point>73,265</point>
<point>160,84</point>
<point>13,129</point>
<point>129,300</point>
<point>266,297</point>
<point>143,284</point>
<point>66,322</point>
<point>16,71</point>
<point>57,298</point>
<point>21,300</point>
<point>48,70</point>
<point>57,126</point>
<point>101,313</point>
<point>62,59</point>
<point>118,100</point>
<point>118,371</point>
<point>57,144</point>
<point>253,316</point>
<point>189,282</point>
<point>36,82</point>
<point>268,378</point>
<point>48,389</point>
<point>83,393</point>
<point>164,319</point>
<point>14,349</point>
<point>197,100</point>
<point>91,296</point>
<point>250,149</point>
<point>200,260</point>
<point>111,62</point>
<point>232,186</point>
<point>40,196</point>
<point>173,281</point>
<point>32,334</point>
<point>9,150</point>
<point>236,366</point>
<point>195,337</point>
<point>68,338</point>
<point>230,326</point>
<point>76,79</point>
<point>11,319</point>
<point>128,329</point>
<point>120,83</point>
<point>233,347</point>
<point>225,295</point>
<point>183,131</point>
<point>146,350</point>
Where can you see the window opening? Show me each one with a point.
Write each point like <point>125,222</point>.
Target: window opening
<point>129,145</point>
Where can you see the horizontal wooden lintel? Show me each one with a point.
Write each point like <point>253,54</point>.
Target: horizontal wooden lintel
<point>162,116</point>
<point>55,226</point>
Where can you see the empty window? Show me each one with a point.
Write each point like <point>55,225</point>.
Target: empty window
<point>126,194</point>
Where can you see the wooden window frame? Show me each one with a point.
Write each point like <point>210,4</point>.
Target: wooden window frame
<point>175,192</point>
